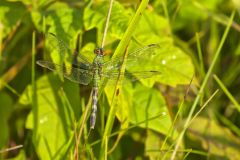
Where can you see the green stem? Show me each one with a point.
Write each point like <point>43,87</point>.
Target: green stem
<point>228,94</point>
<point>119,51</point>
<point>200,56</point>
<point>34,91</point>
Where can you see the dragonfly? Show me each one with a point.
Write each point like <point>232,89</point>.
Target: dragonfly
<point>85,72</point>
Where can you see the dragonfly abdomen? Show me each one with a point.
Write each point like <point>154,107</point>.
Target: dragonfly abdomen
<point>94,107</point>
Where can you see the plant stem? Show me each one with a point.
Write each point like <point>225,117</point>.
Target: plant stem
<point>119,51</point>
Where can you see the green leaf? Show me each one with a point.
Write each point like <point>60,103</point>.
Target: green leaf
<point>149,103</point>
<point>94,17</point>
<point>175,66</point>
<point>10,14</point>
<point>154,29</point>
<point>138,104</point>
<point>153,145</point>
<point>124,101</point>
<point>119,21</point>
<point>55,115</point>
<point>33,3</point>
<point>217,140</point>
<point>61,20</point>
<point>37,19</point>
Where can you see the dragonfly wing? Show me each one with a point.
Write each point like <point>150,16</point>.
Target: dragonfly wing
<point>133,58</point>
<point>112,68</point>
<point>73,74</point>
<point>133,76</point>
<point>55,43</point>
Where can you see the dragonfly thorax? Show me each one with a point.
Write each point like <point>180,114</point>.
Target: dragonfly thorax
<point>99,51</point>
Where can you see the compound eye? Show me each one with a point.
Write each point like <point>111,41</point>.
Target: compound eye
<point>98,51</point>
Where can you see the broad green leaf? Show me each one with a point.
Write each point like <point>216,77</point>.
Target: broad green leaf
<point>149,103</point>
<point>55,116</point>
<point>153,145</point>
<point>88,51</point>
<point>37,19</point>
<point>124,101</point>
<point>60,19</point>
<point>217,140</point>
<point>138,104</point>
<point>35,4</point>
<point>152,28</point>
<point>154,149</point>
<point>10,14</point>
<point>94,17</point>
<point>175,66</point>
<point>120,18</point>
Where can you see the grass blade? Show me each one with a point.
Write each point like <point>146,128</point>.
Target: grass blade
<point>203,84</point>
<point>228,94</point>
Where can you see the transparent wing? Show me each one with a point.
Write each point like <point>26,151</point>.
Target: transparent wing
<point>131,76</point>
<point>73,74</point>
<point>55,43</point>
<point>133,58</point>
<point>137,59</point>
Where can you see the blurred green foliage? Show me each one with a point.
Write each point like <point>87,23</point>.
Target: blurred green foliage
<point>45,113</point>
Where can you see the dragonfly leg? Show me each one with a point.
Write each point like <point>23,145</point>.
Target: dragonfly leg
<point>94,107</point>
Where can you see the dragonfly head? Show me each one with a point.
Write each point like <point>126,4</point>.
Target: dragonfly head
<point>99,51</point>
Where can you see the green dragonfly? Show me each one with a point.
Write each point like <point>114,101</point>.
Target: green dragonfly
<point>84,72</point>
